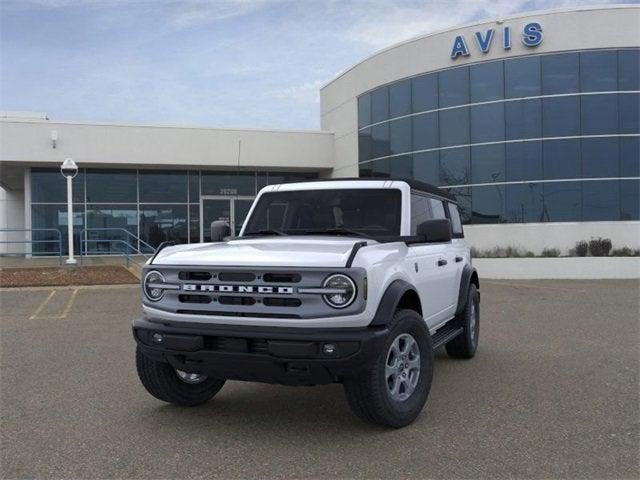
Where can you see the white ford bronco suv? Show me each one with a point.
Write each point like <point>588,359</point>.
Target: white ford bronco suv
<point>356,281</point>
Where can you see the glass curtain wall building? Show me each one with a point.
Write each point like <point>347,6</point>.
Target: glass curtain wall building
<point>539,138</point>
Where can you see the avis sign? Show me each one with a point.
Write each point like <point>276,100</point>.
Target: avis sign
<point>531,37</point>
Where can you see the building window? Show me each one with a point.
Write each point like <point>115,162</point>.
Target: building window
<point>400,98</point>
<point>599,71</point>
<point>49,186</point>
<point>425,131</point>
<point>522,77</point>
<point>560,73</point>
<point>454,87</point>
<point>163,186</point>
<point>524,203</point>
<point>424,93</point>
<point>380,105</point>
<point>105,186</point>
<point>486,81</point>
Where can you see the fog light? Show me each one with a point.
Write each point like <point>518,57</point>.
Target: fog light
<point>157,338</point>
<point>329,348</point>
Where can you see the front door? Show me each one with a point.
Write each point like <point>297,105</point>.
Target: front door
<point>232,210</point>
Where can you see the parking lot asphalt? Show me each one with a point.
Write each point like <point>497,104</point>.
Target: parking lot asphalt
<point>551,393</point>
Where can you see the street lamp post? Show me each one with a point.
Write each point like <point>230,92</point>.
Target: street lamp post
<point>69,169</point>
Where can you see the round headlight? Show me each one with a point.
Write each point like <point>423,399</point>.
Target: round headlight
<point>345,291</point>
<point>152,292</point>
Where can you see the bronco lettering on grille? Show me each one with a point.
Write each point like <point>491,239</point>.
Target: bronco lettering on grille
<point>190,287</point>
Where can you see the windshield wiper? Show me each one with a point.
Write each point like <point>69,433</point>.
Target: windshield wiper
<point>269,231</point>
<point>337,231</point>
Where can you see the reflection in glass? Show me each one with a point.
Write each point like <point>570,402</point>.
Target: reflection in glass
<point>454,166</point>
<point>560,73</point>
<point>400,98</point>
<point>163,186</point>
<point>426,167</point>
<point>562,201</point>
<point>630,157</point>
<point>401,166</point>
<point>523,119</point>
<point>488,204</point>
<point>214,210</point>
<point>487,123</point>
<point>161,223</point>
<point>522,77</point>
<point>463,197</point>
<point>115,218</point>
<point>487,163</point>
<point>454,87</point>
<point>629,112</point>
<point>425,131</point>
<point>600,157</point>
<point>380,140</point>
<point>629,69</point>
<point>523,161</point>
<point>364,110</point>
<point>365,145</point>
<point>599,114</point>
<point>424,92</point>
<point>524,203</point>
<point>454,127</point>
<point>194,223</point>
<point>55,216</point>
<point>561,159</point>
<point>601,200</point>
<point>48,185</point>
<point>599,71</point>
<point>108,186</point>
<point>561,116</point>
<point>487,81</point>
<point>630,200</point>
<point>380,104</point>
<point>400,135</point>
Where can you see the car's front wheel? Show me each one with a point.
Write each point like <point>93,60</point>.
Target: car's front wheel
<point>175,386</point>
<point>393,390</point>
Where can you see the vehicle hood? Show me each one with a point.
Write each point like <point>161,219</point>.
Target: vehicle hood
<point>289,251</point>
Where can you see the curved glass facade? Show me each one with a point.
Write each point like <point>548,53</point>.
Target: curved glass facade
<point>541,138</point>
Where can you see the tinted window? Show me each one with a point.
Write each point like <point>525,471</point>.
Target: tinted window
<point>400,98</point>
<point>598,71</point>
<point>524,203</point>
<point>629,112</point>
<point>401,166</point>
<point>522,77</point>
<point>487,204</point>
<point>487,123</point>
<point>420,212</point>
<point>214,183</point>
<point>380,140</point>
<point>379,105</point>
<point>163,187</point>
<point>600,201</point>
<point>425,92</point>
<point>112,186</point>
<point>375,212</point>
<point>560,73</point>
<point>562,201</point>
<point>162,223</point>
<point>426,167</point>
<point>629,69</point>
<point>454,87</point>
<point>400,135</point>
<point>629,200</point>
<point>114,218</point>
<point>463,198</point>
<point>380,168</point>
<point>561,116</point>
<point>365,145</point>
<point>487,163</point>
<point>599,114</point>
<point>454,166</point>
<point>561,159</point>
<point>194,223</point>
<point>425,131</point>
<point>523,161</point>
<point>454,127</point>
<point>600,157</point>
<point>437,208</point>
<point>523,119</point>
<point>194,186</point>
<point>487,82</point>
<point>364,110</point>
<point>630,157</point>
<point>48,185</point>
<point>55,216</point>
<point>456,221</point>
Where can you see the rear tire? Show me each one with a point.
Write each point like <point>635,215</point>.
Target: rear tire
<point>373,394</point>
<point>163,382</point>
<point>466,344</point>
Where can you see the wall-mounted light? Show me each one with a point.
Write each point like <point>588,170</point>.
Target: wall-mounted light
<point>54,138</point>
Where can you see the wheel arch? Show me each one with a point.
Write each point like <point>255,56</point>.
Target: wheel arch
<point>469,276</point>
<point>399,294</point>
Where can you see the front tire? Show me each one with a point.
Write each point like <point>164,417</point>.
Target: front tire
<point>174,386</point>
<point>393,390</point>
<point>466,344</point>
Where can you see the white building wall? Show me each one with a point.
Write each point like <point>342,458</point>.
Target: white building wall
<point>11,217</point>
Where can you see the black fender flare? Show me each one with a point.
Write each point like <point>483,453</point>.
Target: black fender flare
<point>389,302</point>
<point>467,274</point>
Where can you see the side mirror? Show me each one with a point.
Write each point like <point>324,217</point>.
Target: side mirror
<point>437,230</point>
<point>219,230</point>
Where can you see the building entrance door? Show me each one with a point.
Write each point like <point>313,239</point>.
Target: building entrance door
<point>232,210</point>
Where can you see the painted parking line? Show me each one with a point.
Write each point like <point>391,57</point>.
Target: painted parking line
<point>42,305</point>
<point>37,314</point>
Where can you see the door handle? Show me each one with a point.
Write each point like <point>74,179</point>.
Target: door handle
<point>459,259</point>
<point>442,262</point>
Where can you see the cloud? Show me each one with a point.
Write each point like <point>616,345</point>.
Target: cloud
<point>195,12</point>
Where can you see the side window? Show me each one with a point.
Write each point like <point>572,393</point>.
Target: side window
<point>437,208</point>
<point>456,223</point>
<point>420,211</point>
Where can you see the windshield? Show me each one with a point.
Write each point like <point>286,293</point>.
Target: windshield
<point>357,212</point>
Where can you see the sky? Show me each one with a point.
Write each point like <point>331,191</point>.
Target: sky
<point>217,63</point>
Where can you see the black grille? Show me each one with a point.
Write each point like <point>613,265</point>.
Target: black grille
<point>282,302</point>
<point>229,300</point>
<point>197,276</point>
<point>282,277</point>
<point>184,298</point>
<point>236,276</point>
<point>237,314</point>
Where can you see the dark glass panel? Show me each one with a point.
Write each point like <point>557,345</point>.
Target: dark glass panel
<point>420,212</point>
<point>487,163</point>
<point>161,223</point>
<point>380,168</point>
<point>106,186</point>
<point>523,119</point>
<point>523,161</point>
<point>289,177</point>
<point>364,170</point>
<point>600,157</point>
<point>107,225</point>
<point>454,166</point>
<point>463,197</point>
<point>424,92</point>
<point>426,167</point>
<point>194,186</point>
<point>400,135</point>
<point>522,77</point>
<point>600,200</point>
<point>561,116</point>
<point>380,104</point>
<point>629,69</point>
<point>629,112</point>
<point>365,145</point>
<point>561,159</point>
<point>364,110</point>
<point>262,180</point>
<point>380,140</point>
<point>425,131</point>
<point>194,223</point>
<point>599,114</point>
<point>49,186</point>
<point>454,127</point>
<point>488,204</point>
<point>562,201</point>
<point>524,203</point>
<point>599,71</point>
<point>400,98</point>
<point>487,81</point>
<point>487,123</point>
<point>630,200</point>
<point>401,166</point>
<point>630,157</point>
<point>55,216</point>
<point>454,87</point>
<point>227,183</point>
<point>163,186</point>
<point>560,73</point>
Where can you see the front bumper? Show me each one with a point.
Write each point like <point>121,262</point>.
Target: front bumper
<point>289,356</point>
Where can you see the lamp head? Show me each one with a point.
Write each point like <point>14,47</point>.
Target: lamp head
<point>69,168</point>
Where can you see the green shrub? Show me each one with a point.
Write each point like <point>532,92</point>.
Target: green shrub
<point>600,247</point>
<point>550,252</point>
<point>624,252</point>
<point>581,248</point>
